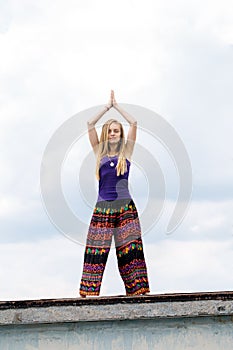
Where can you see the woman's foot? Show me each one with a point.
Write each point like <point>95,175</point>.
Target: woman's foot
<point>137,295</point>
<point>89,296</point>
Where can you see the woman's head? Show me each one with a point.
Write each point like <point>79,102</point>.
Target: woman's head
<point>112,137</point>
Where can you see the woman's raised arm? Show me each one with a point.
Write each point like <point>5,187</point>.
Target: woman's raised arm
<point>92,133</point>
<point>132,133</point>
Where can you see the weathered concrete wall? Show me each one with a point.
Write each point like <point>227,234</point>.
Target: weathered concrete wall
<point>164,334</point>
<point>190,321</point>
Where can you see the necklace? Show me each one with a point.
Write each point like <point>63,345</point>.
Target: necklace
<point>111,162</point>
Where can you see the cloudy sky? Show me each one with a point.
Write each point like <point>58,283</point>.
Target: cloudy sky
<point>61,58</point>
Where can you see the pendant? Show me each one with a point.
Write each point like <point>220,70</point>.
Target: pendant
<point>112,164</point>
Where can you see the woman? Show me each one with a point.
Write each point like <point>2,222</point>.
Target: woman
<point>115,213</point>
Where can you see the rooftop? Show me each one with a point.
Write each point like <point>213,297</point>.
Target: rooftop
<point>173,305</point>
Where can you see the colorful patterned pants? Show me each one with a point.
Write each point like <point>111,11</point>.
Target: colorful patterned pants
<point>120,219</point>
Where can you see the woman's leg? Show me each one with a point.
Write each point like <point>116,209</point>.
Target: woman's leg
<point>97,248</point>
<point>129,250</point>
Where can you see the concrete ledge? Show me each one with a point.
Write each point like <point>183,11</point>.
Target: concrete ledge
<point>175,305</point>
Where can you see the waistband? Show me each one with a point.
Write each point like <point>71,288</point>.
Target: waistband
<point>115,205</point>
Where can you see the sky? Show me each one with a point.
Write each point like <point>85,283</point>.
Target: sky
<point>60,59</point>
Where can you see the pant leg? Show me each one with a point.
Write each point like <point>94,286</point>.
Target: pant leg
<point>129,250</point>
<point>97,248</point>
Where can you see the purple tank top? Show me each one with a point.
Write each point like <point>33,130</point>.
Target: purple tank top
<point>111,186</point>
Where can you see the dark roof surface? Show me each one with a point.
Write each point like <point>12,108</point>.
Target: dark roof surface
<point>121,299</point>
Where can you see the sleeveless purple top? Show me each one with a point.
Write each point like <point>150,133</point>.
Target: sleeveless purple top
<point>111,186</point>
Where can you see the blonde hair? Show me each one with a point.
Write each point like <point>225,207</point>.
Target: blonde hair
<point>103,149</point>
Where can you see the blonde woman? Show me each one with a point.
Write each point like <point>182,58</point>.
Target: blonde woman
<point>115,213</point>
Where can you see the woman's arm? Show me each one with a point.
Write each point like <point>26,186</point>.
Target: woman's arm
<point>132,133</point>
<point>93,136</point>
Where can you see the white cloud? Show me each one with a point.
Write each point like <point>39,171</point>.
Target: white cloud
<point>190,266</point>
<point>45,269</point>
<point>204,220</point>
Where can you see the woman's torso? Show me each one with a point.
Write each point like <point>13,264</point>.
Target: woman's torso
<point>111,186</point>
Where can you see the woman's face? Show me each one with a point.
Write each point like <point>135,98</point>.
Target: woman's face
<point>114,133</point>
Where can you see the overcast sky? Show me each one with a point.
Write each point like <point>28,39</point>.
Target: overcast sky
<point>61,58</point>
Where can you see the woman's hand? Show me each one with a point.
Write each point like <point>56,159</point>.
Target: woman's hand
<point>114,103</point>
<point>110,103</point>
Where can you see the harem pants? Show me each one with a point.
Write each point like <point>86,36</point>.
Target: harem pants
<point>118,218</point>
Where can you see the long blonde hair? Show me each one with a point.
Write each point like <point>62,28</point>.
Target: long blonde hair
<point>103,149</point>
